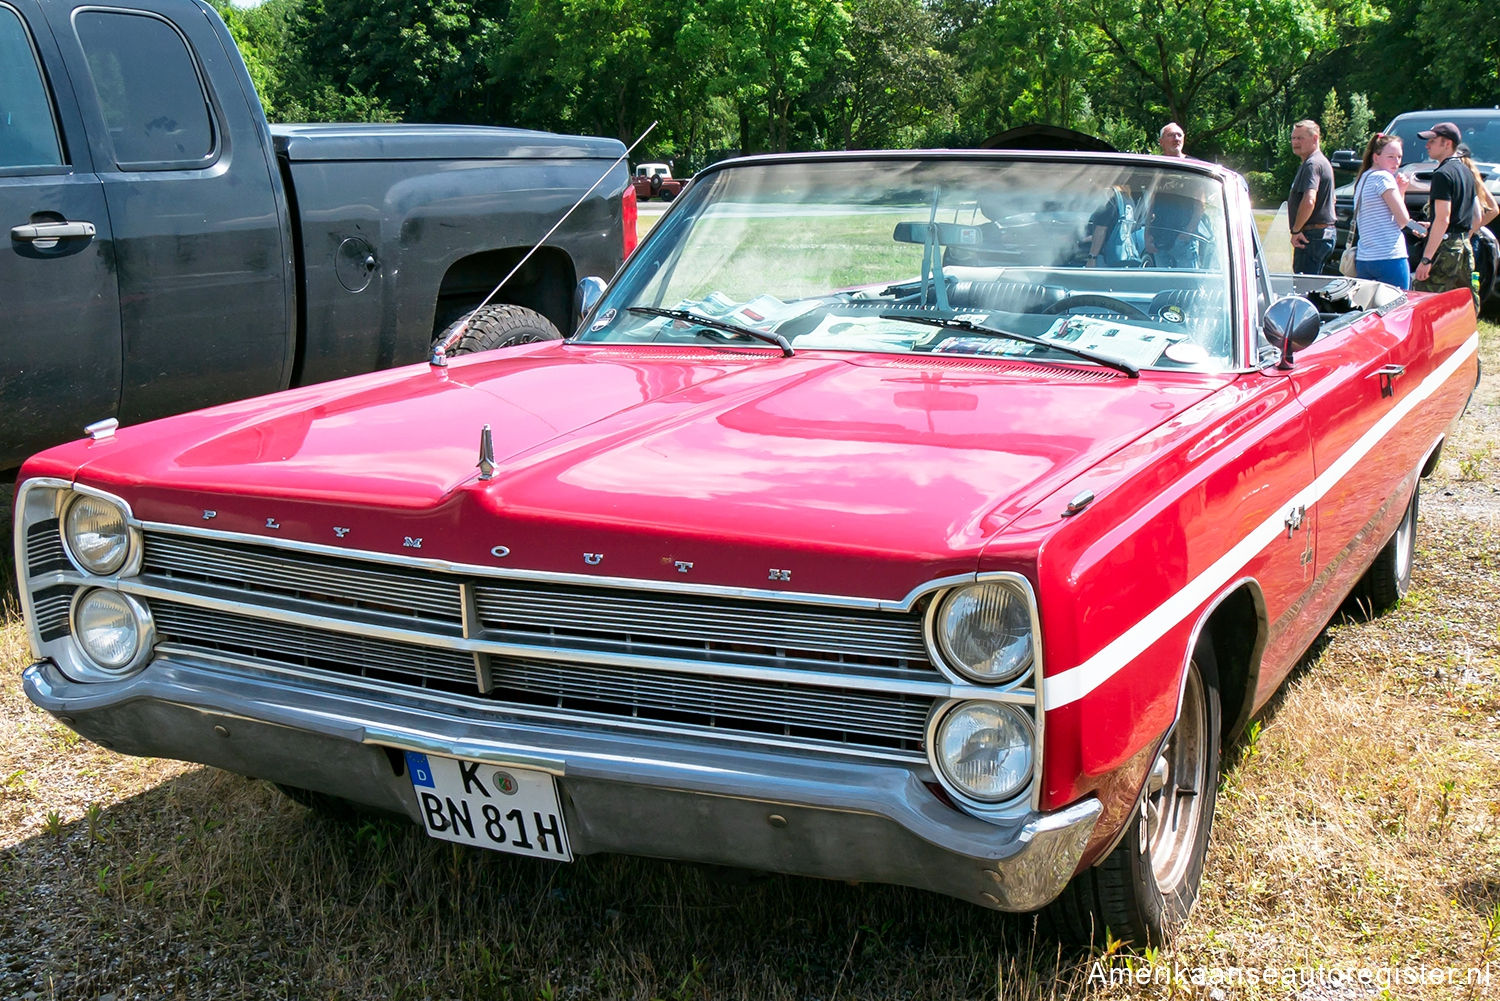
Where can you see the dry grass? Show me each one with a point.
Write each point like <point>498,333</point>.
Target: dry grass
<point>1357,828</point>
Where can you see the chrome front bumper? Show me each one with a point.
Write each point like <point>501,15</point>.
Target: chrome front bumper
<point>620,792</point>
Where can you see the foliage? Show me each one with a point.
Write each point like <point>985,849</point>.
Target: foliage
<point>727,75</point>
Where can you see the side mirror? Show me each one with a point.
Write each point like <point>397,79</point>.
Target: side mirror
<point>1291,323</point>
<point>586,296</point>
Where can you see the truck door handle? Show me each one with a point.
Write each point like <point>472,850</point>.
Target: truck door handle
<point>34,232</point>
<point>1388,376</point>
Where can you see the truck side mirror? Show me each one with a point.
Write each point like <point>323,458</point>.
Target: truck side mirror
<point>1291,323</point>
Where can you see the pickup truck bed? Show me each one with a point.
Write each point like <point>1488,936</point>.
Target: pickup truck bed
<point>169,250</point>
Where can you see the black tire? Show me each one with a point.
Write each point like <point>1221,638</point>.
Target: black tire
<point>1389,577</point>
<point>655,185</point>
<point>499,326</point>
<point>1143,890</point>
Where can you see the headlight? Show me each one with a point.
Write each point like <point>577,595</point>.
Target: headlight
<point>112,628</point>
<point>984,750</point>
<point>96,534</point>
<point>985,630</point>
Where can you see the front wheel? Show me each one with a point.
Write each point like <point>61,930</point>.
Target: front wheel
<point>1144,889</point>
<point>499,326</point>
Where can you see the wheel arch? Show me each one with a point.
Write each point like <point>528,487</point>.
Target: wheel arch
<point>544,283</point>
<point>1237,627</point>
<point>1434,454</point>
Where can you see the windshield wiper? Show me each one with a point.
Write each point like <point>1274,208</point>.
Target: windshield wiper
<point>953,323</point>
<point>687,316</point>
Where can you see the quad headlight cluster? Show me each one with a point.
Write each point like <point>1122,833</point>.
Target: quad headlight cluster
<point>113,630</point>
<point>984,749</point>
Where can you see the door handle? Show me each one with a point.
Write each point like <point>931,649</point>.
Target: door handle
<point>1388,376</point>
<point>34,232</point>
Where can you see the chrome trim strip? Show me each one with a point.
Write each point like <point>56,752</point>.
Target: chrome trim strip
<point>483,676</point>
<point>379,694</point>
<point>904,604</point>
<point>792,676</point>
<point>1077,682</point>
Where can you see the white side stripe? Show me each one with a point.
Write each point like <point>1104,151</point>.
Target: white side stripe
<point>1074,684</point>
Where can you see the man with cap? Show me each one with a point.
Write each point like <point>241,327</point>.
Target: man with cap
<point>1447,257</point>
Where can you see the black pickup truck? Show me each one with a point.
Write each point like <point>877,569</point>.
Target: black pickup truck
<point>166,249</point>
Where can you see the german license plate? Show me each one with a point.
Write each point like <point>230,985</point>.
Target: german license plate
<point>508,809</point>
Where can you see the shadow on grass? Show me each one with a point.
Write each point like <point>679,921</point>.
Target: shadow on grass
<point>214,884</point>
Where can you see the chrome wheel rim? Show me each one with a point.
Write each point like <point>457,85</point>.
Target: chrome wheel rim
<point>1405,533</point>
<point>1175,792</point>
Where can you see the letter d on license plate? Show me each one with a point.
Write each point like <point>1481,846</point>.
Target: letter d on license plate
<point>509,809</point>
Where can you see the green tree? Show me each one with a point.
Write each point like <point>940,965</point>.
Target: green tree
<point>424,59</point>
<point>765,57</point>
<point>1019,62</point>
<point>1211,64</point>
<point>1333,121</point>
<point>592,66</point>
<point>896,81</point>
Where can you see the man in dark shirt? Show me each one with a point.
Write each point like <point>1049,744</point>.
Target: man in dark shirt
<point>1309,206</point>
<point>1447,257</point>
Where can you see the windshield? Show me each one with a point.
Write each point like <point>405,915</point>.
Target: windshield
<point>1125,264</point>
<point>1481,133</point>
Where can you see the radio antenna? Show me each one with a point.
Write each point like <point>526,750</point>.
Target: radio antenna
<point>441,348</point>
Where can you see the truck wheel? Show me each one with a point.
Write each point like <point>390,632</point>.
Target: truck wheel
<point>1143,890</point>
<point>500,326</point>
<point>1389,577</point>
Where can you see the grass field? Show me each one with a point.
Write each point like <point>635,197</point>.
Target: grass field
<point>1359,827</point>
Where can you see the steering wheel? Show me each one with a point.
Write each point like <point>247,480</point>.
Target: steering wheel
<point>1126,309</point>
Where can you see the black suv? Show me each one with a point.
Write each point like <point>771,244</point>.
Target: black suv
<point>1481,130</point>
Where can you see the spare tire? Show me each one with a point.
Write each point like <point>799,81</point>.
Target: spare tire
<point>499,326</point>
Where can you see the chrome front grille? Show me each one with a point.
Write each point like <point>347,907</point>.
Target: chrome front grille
<point>268,571</point>
<point>44,548</point>
<point>758,632</point>
<point>811,675</point>
<point>291,643</point>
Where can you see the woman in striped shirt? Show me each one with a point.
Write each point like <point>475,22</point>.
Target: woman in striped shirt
<point>1380,214</point>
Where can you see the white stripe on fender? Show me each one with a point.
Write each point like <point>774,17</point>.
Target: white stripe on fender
<point>1074,684</point>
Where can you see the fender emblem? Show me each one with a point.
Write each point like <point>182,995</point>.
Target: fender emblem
<point>272,523</point>
<point>411,543</point>
<point>500,552</point>
<point>683,566</point>
<point>593,559</point>
<point>340,532</point>
<point>780,575</point>
<point>210,515</point>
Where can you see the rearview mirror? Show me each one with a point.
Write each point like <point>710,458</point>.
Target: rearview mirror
<point>1291,323</point>
<point>949,234</point>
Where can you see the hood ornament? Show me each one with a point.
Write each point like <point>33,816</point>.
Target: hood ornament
<point>486,454</point>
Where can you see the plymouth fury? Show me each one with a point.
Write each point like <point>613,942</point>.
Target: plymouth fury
<point>872,525</point>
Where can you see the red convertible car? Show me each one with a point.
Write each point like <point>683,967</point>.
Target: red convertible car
<point>867,528</point>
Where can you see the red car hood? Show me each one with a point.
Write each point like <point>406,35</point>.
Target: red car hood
<point>857,474</point>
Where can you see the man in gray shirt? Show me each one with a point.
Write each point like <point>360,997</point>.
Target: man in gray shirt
<point>1309,207</point>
